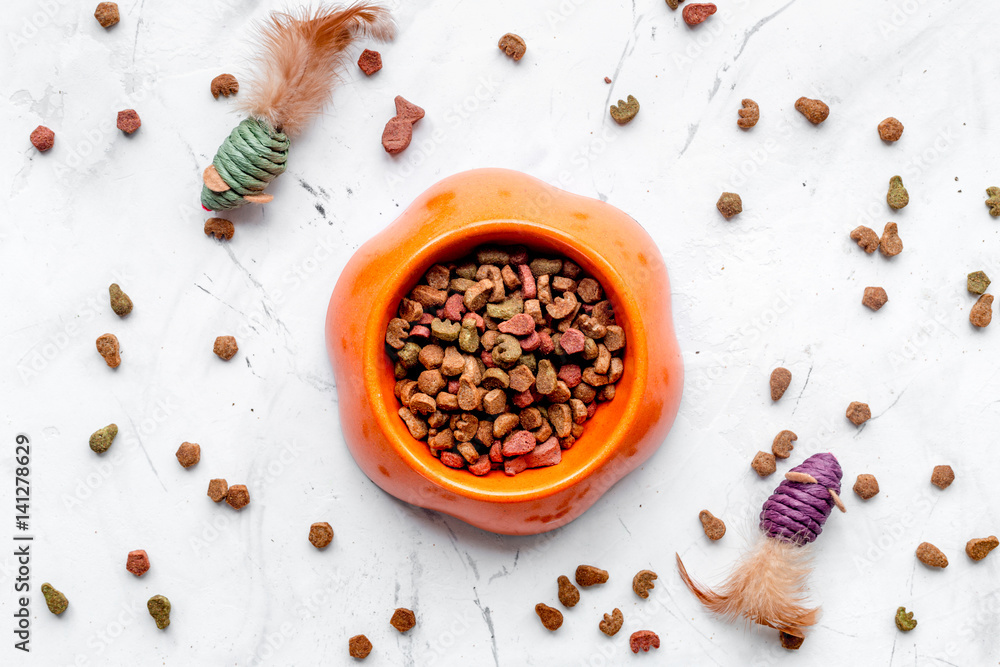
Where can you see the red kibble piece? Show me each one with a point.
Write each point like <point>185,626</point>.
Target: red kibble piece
<point>644,639</point>
<point>523,399</point>
<point>137,562</point>
<point>425,319</point>
<point>515,465</point>
<point>454,308</point>
<point>572,341</point>
<point>532,341</point>
<point>128,121</point>
<point>370,62</point>
<point>420,331</point>
<point>496,452</point>
<point>548,453</point>
<point>519,442</point>
<point>477,318</point>
<point>697,13</point>
<point>520,325</point>
<point>529,289</point>
<point>452,460</point>
<point>570,373</point>
<point>453,386</point>
<point>546,346</point>
<point>481,466</point>
<point>43,138</point>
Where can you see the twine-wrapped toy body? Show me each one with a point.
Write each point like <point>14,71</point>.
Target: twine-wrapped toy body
<point>252,156</point>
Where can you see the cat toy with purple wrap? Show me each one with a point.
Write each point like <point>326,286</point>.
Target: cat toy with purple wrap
<point>768,586</point>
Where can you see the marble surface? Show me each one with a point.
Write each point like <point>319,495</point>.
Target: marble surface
<point>779,285</point>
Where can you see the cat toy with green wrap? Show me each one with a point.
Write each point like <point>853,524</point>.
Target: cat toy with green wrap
<point>300,56</point>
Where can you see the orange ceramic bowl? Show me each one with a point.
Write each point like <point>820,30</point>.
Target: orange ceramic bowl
<point>498,206</point>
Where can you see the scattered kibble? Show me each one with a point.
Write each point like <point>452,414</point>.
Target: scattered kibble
<point>673,4</point>
<point>225,85</point>
<point>625,110</point>
<point>137,562</point>
<point>890,130</point>
<point>874,297</point>
<point>897,197</point>
<point>642,583</point>
<point>931,556</point>
<point>749,114</point>
<point>815,111</point>
<point>904,620</point>
<point>54,600</point>
<point>218,489</point>
<point>128,121</point>
<point>188,454</point>
<point>220,228</point>
<point>942,476</point>
<point>858,413</point>
<point>107,347</point>
<point>713,526</point>
<point>107,14</point>
<point>866,237</point>
<point>513,45</point>
<point>645,639</point>
<point>782,445</point>
<point>321,534</point>
<point>790,641</point>
<point>359,647</point>
<point>42,138</point>
<point>120,302</point>
<point>102,438</point>
<point>588,575</point>
<point>552,618</point>
<point>698,12</point>
<point>993,201</point>
<point>866,486</point>
<point>980,548</point>
<point>890,245</point>
<point>403,619</point>
<point>238,496</point>
<point>569,594</point>
<point>225,347</point>
<point>398,131</point>
<point>764,464</point>
<point>607,79</point>
<point>729,204</point>
<point>982,311</point>
<point>370,61</point>
<point>780,379</point>
<point>978,282</point>
<point>612,622</point>
<point>159,609</point>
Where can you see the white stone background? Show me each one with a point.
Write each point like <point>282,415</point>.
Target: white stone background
<point>779,285</point>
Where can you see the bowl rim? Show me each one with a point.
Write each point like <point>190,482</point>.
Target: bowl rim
<point>454,243</point>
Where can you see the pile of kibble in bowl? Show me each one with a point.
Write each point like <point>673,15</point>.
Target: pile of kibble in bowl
<point>502,356</point>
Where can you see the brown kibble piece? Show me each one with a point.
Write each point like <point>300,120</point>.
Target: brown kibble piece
<point>370,61</point>
<point>225,347</point>
<point>403,619</point>
<point>42,138</point>
<point>128,121</point>
<point>866,237</point>
<point>220,228</point>
<point>569,594</point>
<point>644,639</point>
<point>858,413</point>
<point>931,556</point>
<point>225,85</point>
<point>942,477</point>
<point>982,311</point>
<point>980,548</point>
<point>814,110</point>
<point>729,204</point>
<point>764,463</point>
<point>137,562</point>
<point>107,346</point>
<point>188,454</point>
<point>588,575</point>
<point>238,496</point>
<point>321,534</point>
<point>790,642</point>
<point>780,379</point>
<point>874,297</point>
<point>359,647</point>
<point>398,131</point>
<point>551,617</point>
<point>890,245</point>
<point>782,446</point>
<point>218,489</point>
<point>749,114</point>
<point>642,583</point>
<point>612,622</point>
<point>120,301</point>
<point>890,130</point>
<point>107,14</point>
<point>866,486</point>
<point>513,45</point>
<point>712,525</point>
<point>625,110</point>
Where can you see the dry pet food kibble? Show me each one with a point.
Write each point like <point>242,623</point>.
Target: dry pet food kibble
<point>790,641</point>
<point>642,583</point>
<point>569,594</point>
<point>713,526</point>
<point>101,439</point>
<point>782,445</point>
<point>643,639</point>
<point>225,85</point>
<point>780,379</point>
<point>897,197</point>
<point>225,347</point>
<point>107,14</point>
<point>321,534</point>
<point>696,13</point>
<point>866,237</point>
<point>729,204</point>
<point>188,454</point>
<point>107,347</point>
<point>551,617</point>
<point>218,489</point>
<point>673,4</point>
<point>120,303</point>
<point>904,620</point>
<point>874,297</point>
<point>359,647</point>
<point>220,228</point>
<point>403,619</point>
<point>858,413</point>
<point>931,556</point>
<point>866,486</point>
<point>625,111</point>
<point>942,476</point>
<point>137,562</point>
<point>159,609</point>
<point>588,575</point>
<point>612,622</point>
<point>890,245</point>
<point>238,496</point>
<point>513,45</point>
<point>982,311</point>
<point>993,201</point>
<point>749,114</point>
<point>128,121</point>
<point>42,138</point>
<point>370,61</point>
<point>890,129</point>
<point>764,464</point>
<point>398,131</point>
<point>54,600</point>
<point>978,282</point>
<point>814,110</point>
<point>980,548</point>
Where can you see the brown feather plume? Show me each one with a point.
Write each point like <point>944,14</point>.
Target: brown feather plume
<point>301,56</point>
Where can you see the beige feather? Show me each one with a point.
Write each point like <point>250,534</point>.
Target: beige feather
<point>302,53</point>
<point>768,587</point>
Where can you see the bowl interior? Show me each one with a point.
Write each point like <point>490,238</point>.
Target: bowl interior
<point>603,433</point>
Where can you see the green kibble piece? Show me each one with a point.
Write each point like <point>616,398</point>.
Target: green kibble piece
<point>897,197</point>
<point>468,337</point>
<point>466,270</point>
<point>540,267</point>
<point>399,371</point>
<point>409,354</point>
<point>993,201</point>
<point>120,303</point>
<point>506,309</point>
<point>102,438</point>
<point>529,361</point>
<point>978,282</point>
<point>904,620</point>
<point>493,256</point>
<point>54,599</point>
<point>590,349</point>
<point>445,330</point>
<point>159,609</point>
<point>507,350</point>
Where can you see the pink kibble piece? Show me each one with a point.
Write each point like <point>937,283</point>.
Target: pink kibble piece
<point>519,442</point>
<point>426,318</point>
<point>513,466</point>
<point>453,386</point>
<point>420,331</point>
<point>572,341</point>
<point>528,287</point>
<point>548,453</point>
<point>591,409</point>
<point>477,318</point>
<point>43,138</point>
<point>452,460</point>
<point>487,358</point>
<point>570,374</point>
<point>481,466</point>
<point>521,324</point>
<point>524,399</point>
<point>454,307</point>
<point>546,346</point>
<point>531,342</point>
<point>496,452</point>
